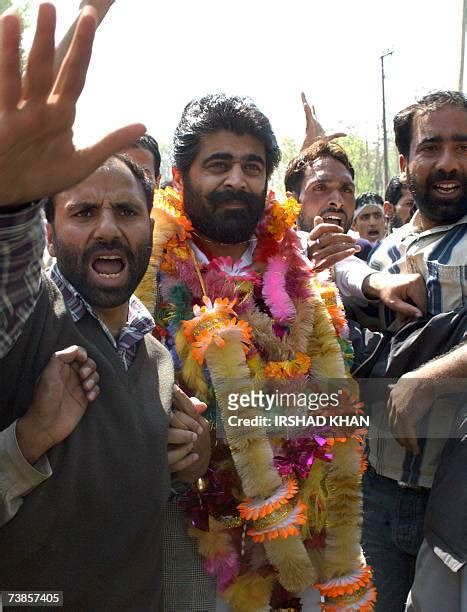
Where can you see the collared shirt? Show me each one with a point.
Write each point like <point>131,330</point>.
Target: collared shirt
<point>139,321</point>
<point>438,254</point>
<point>245,260</point>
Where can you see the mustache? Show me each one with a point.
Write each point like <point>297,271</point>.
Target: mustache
<point>441,175</point>
<point>230,195</point>
<point>333,211</point>
<point>113,245</point>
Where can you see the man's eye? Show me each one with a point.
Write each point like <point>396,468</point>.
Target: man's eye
<point>125,211</point>
<point>347,190</point>
<point>219,166</point>
<point>252,169</point>
<point>319,187</point>
<point>463,148</point>
<point>82,214</point>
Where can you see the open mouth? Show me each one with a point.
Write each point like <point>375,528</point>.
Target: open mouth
<point>108,266</point>
<point>336,219</point>
<point>373,233</point>
<point>446,187</point>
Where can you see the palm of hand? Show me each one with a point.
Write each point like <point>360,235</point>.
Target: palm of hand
<point>41,140</point>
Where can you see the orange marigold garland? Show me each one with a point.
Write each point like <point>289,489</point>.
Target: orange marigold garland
<point>302,335</point>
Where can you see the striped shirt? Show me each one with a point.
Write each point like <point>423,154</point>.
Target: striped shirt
<point>440,256</point>
<point>21,246</point>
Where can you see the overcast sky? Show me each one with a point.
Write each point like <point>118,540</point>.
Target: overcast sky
<point>150,58</point>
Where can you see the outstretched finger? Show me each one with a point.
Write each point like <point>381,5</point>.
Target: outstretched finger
<point>72,74</point>
<point>408,310</point>
<point>331,260</point>
<point>336,135</point>
<point>40,67</point>
<point>10,77</point>
<point>308,113</point>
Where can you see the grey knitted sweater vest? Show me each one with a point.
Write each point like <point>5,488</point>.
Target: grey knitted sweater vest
<point>93,529</point>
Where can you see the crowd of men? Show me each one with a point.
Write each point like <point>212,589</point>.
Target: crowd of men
<point>86,389</point>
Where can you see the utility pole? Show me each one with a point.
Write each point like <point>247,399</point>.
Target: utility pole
<point>461,71</point>
<point>385,134</point>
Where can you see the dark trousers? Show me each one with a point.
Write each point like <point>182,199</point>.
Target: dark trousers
<point>392,534</point>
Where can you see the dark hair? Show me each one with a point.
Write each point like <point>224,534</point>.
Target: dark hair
<point>149,143</point>
<point>216,112</point>
<point>368,197</point>
<point>136,171</point>
<point>394,190</point>
<point>321,148</point>
<point>403,121</point>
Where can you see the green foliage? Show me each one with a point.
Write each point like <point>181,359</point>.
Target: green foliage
<point>4,5</point>
<point>289,150</point>
<point>367,160</point>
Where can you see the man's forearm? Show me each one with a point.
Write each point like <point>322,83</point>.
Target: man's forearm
<point>451,365</point>
<point>17,477</point>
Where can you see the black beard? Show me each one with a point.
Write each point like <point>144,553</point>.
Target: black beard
<point>227,226</point>
<point>395,221</point>
<point>75,265</point>
<point>436,209</point>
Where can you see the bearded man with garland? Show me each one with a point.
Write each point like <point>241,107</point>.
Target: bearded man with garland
<point>242,311</point>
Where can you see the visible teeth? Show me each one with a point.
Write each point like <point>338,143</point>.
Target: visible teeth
<point>109,257</point>
<point>108,275</point>
<point>446,186</point>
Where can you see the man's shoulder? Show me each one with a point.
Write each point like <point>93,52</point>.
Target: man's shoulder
<point>389,249</point>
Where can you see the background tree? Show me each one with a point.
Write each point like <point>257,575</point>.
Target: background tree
<point>289,150</point>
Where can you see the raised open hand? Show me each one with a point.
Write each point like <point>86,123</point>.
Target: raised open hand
<point>37,155</point>
<point>313,128</point>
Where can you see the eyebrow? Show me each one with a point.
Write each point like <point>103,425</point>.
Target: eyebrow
<point>437,139</point>
<point>74,206</point>
<point>432,139</point>
<point>329,179</point>
<point>230,157</point>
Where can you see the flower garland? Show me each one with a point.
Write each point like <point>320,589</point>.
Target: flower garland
<point>269,515</point>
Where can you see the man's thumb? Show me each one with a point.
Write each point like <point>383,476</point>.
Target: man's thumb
<point>318,220</point>
<point>72,353</point>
